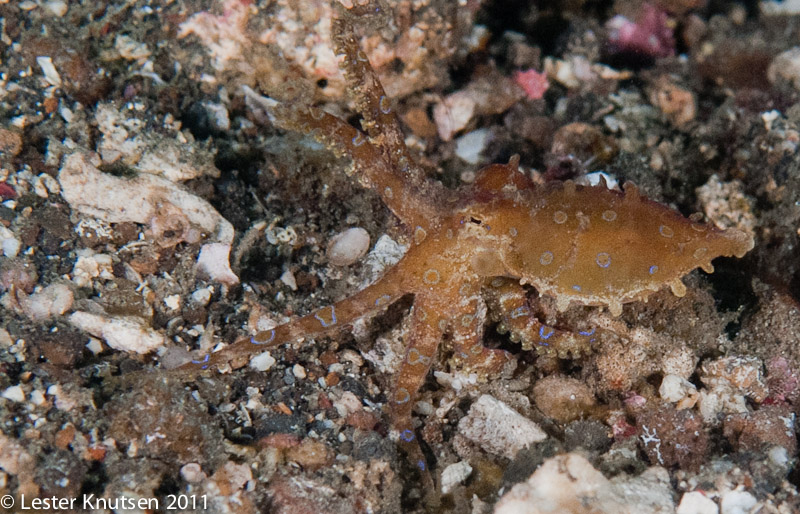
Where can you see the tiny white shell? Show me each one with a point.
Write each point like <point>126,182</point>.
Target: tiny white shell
<point>348,247</point>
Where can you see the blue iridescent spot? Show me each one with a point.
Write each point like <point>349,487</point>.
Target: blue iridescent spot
<point>520,311</point>
<point>546,335</point>
<point>576,287</point>
<point>421,465</point>
<point>653,269</point>
<point>271,337</point>
<point>586,332</point>
<point>407,435</point>
<point>324,323</point>
<point>383,300</point>
<point>205,359</point>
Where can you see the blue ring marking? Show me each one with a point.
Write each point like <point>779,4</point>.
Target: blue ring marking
<point>358,140</point>
<point>271,337</point>
<point>421,465</point>
<point>576,287</point>
<point>401,392</point>
<point>603,260</point>
<point>383,105</point>
<point>322,321</point>
<point>205,359</point>
<point>316,114</point>
<point>548,335</point>
<point>407,435</point>
<point>520,311</point>
<point>653,269</point>
<point>542,343</point>
<point>586,332</point>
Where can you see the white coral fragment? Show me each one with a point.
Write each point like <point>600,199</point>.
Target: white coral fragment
<point>695,502</point>
<point>499,429</point>
<point>49,70</point>
<point>453,114</point>
<point>141,199</point>
<point>455,474</point>
<point>213,261</point>
<point>53,300</point>
<point>9,244</point>
<point>567,484</point>
<point>124,333</point>
<point>127,140</point>
<point>90,265</point>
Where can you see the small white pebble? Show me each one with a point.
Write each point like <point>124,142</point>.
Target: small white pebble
<point>94,346</point>
<point>9,244</point>
<point>130,49</point>
<point>57,7</point>
<point>193,473</point>
<point>779,456</point>
<point>424,408</point>
<point>352,357</point>
<point>695,502</point>
<point>593,179</point>
<point>213,261</point>
<point>173,301</point>
<point>288,279</point>
<point>262,361</point>
<point>218,113</point>
<point>347,404</point>
<point>454,474</point>
<point>203,295</point>
<point>737,502</point>
<point>40,189</point>
<point>299,371</point>
<point>453,114</point>
<point>674,388</point>
<point>470,146</point>
<point>46,185</point>
<point>89,266</point>
<point>50,72</point>
<point>37,397</point>
<point>768,117</point>
<point>5,339</point>
<point>348,247</point>
<point>14,393</point>
<point>53,300</point>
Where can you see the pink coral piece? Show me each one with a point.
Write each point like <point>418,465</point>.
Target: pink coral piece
<point>648,35</point>
<point>533,82</point>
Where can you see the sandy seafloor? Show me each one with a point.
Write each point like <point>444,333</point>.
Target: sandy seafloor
<point>149,216</point>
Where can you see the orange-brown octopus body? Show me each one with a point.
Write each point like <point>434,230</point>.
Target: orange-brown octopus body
<point>578,244</point>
